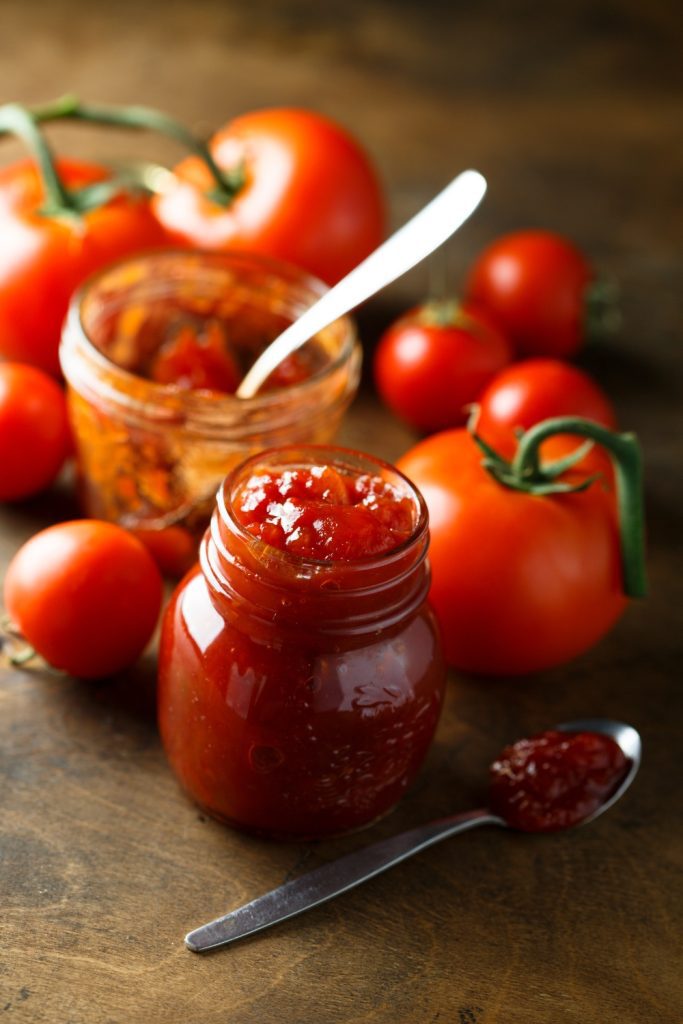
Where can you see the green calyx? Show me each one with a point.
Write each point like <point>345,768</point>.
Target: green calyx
<point>602,311</point>
<point>526,473</point>
<point>60,201</point>
<point>446,313</point>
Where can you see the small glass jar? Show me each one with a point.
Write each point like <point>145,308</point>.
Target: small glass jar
<point>298,698</point>
<point>151,456</point>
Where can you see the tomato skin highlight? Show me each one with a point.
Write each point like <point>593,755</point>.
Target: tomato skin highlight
<point>43,259</point>
<point>428,369</point>
<point>520,583</point>
<point>35,438</point>
<point>534,390</point>
<point>311,195</point>
<point>86,596</point>
<point>534,285</point>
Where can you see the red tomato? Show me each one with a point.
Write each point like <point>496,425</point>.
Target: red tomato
<point>310,195</point>
<point>44,258</point>
<point>534,390</point>
<point>174,549</point>
<point>519,582</point>
<point>86,595</point>
<point>34,431</point>
<point>436,360</point>
<point>535,284</point>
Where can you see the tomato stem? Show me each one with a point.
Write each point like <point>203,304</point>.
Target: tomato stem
<point>602,312</point>
<point>23,656</point>
<point>24,122</point>
<point>624,451</point>
<point>447,313</point>
<point>227,183</point>
<point>17,120</point>
<point>10,636</point>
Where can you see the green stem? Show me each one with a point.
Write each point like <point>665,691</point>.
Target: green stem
<point>602,312</point>
<point>624,451</point>
<point>16,120</point>
<point>227,183</point>
<point>23,656</point>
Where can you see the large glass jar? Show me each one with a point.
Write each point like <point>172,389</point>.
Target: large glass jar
<point>151,456</point>
<point>298,698</point>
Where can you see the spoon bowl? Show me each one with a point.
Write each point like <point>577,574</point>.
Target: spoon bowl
<point>630,743</point>
<point>338,876</point>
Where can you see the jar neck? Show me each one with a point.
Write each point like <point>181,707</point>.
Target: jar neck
<point>271,588</point>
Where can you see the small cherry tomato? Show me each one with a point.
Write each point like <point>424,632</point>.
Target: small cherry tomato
<point>307,193</point>
<point>535,284</point>
<point>524,581</point>
<point>34,431</point>
<point>436,360</point>
<point>534,390</point>
<point>44,256</point>
<point>174,549</point>
<point>85,595</point>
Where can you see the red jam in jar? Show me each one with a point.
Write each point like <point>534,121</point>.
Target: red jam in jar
<point>301,676</point>
<point>555,779</point>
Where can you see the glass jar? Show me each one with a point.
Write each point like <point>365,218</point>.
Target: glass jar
<point>298,698</point>
<point>151,456</point>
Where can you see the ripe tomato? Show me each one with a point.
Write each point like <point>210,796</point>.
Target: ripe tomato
<point>174,549</point>
<point>436,360</point>
<point>533,390</point>
<point>310,195</point>
<point>520,582</point>
<point>86,595</point>
<point>535,284</point>
<point>44,258</point>
<point>34,431</point>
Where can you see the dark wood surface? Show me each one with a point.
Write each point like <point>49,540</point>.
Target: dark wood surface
<point>573,111</point>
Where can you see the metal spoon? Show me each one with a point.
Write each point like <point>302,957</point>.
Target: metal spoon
<point>422,234</point>
<point>343,874</point>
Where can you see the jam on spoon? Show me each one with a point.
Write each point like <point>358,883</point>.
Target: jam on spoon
<point>564,777</point>
<point>555,779</point>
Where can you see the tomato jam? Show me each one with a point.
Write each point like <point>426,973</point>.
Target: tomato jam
<point>153,350</point>
<point>319,512</point>
<point>300,681</point>
<point>555,779</point>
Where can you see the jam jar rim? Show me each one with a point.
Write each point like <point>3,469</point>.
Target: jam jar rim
<point>194,401</point>
<point>319,565</point>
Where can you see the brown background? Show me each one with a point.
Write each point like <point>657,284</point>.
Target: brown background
<point>573,111</point>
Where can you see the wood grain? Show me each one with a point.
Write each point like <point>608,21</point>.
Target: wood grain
<point>573,111</point>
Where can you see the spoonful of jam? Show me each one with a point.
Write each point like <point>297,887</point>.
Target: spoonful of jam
<point>567,776</point>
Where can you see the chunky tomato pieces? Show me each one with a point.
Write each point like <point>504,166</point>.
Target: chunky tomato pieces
<point>321,513</point>
<point>193,360</point>
<point>555,779</point>
<point>203,360</point>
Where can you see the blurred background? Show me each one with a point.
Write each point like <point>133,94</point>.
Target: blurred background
<point>571,106</point>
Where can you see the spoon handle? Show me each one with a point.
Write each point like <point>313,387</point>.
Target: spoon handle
<point>422,234</point>
<point>330,880</point>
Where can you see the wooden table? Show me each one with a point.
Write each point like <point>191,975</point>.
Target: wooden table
<point>573,112</point>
